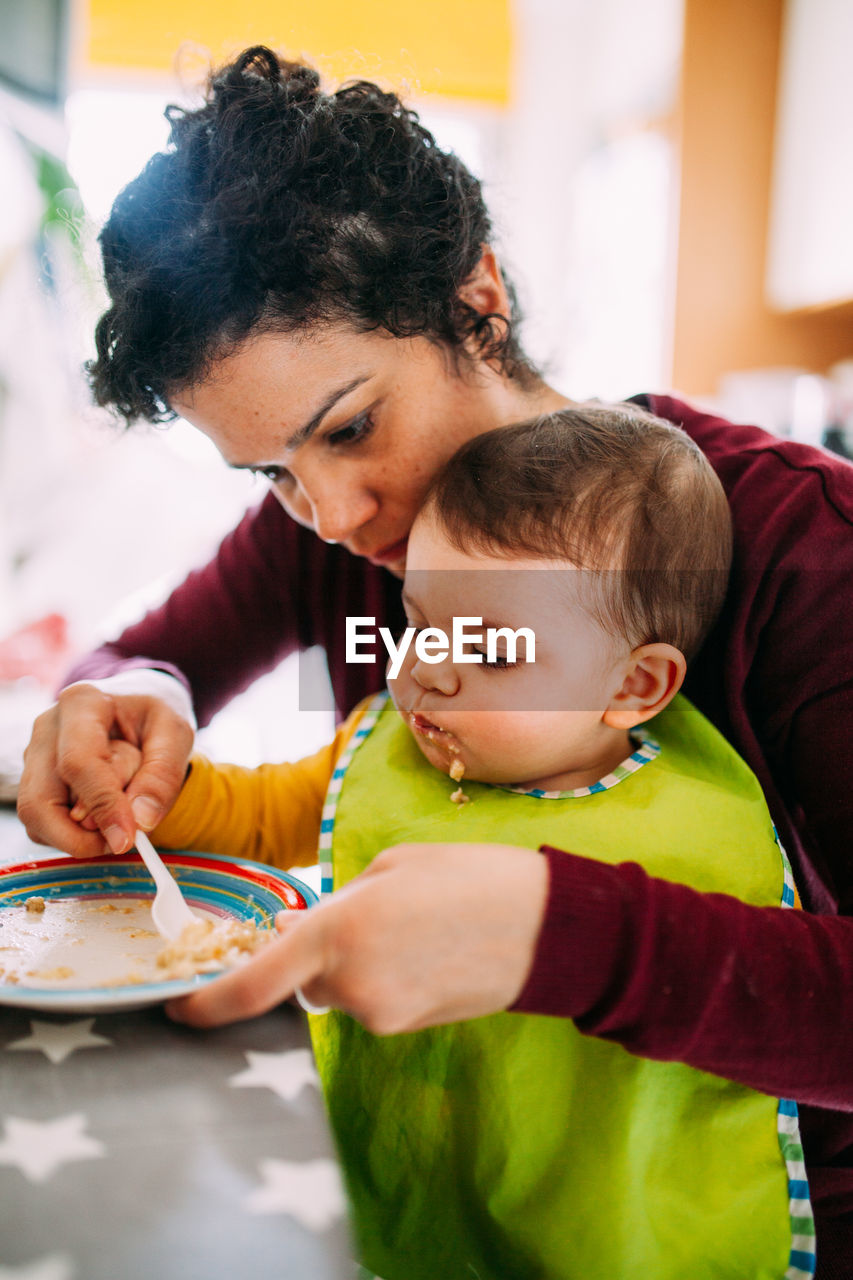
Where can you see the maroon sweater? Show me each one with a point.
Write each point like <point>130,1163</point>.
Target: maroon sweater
<point>760,996</point>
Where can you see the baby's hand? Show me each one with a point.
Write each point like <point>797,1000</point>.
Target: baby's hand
<point>125,760</point>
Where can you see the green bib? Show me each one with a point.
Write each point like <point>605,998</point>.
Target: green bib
<point>512,1146</point>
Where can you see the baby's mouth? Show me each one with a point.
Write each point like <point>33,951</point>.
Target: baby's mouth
<point>420,724</point>
<point>448,742</point>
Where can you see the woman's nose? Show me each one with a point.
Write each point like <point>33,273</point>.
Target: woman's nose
<point>334,513</point>
<point>439,677</point>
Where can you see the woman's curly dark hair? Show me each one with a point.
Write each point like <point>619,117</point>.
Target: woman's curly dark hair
<point>278,207</point>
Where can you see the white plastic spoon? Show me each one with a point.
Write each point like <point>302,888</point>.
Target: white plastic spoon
<point>169,911</point>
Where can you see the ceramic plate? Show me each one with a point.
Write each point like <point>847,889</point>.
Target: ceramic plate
<point>96,925</point>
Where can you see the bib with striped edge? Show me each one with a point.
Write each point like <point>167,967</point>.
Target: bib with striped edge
<point>512,1146</point>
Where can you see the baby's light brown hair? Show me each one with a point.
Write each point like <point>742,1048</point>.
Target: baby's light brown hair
<point>608,488</point>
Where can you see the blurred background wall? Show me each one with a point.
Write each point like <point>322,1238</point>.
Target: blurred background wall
<point>672,187</point>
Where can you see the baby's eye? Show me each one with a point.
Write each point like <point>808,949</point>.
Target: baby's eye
<point>501,663</point>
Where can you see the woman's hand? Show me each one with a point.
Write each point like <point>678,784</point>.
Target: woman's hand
<point>74,762</point>
<point>428,934</point>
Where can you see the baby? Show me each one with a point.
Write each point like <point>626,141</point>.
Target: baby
<point>513,1145</point>
<point>611,544</point>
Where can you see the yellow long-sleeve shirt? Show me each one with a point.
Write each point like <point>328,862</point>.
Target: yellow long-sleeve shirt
<point>270,814</point>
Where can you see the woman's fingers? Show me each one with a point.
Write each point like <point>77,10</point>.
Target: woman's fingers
<point>293,959</point>
<point>45,796</point>
<point>166,742</point>
<point>428,934</point>
<point>72,761</point>
<point>125,760</point>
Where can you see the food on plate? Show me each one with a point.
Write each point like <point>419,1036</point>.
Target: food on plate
<point>81,942</point>
<point>205,946</point>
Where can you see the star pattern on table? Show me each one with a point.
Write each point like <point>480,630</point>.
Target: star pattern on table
<point>55,1266</point>
<point>58,1040</point>
<point>309,1191</point>
<point>285,1073</point>
<point>39,1147</point>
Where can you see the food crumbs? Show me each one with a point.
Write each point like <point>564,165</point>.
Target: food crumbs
<point>457,772</point>
<point>129,980</point>
<point>205,947</point>
<point>35,904</point>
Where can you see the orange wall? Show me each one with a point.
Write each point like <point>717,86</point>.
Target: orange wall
<point>728,102</point>
<point>457,48</point>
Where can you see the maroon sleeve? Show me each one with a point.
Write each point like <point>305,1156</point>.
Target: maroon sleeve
<point>272,588</point>
<point>225,625</point>
<point>763,996</point>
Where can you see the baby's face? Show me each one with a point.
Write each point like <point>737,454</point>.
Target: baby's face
<point>533,723</point>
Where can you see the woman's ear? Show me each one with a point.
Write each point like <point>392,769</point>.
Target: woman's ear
<point>655,674</point>
<point>484,290</point>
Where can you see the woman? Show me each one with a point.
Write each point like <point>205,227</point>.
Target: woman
<point>308,279</point>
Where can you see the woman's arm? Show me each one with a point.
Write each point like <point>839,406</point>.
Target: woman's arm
<point>217,632</point>
<point>273,587</point>
<point>763,996</point>
<point>228,622</point>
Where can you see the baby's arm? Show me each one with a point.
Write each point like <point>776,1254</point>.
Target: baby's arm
<point>270,814</point>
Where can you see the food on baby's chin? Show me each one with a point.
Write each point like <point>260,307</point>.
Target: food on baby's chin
<point>35,905</point>
<point>205,947</point>
<point>457,773</point>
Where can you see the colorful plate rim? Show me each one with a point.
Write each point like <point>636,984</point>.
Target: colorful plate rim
<point>257,891</point>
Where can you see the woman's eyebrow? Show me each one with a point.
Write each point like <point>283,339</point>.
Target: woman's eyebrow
<point>305,432</point>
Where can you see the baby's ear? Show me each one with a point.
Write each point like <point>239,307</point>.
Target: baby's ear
<point>654,676</point>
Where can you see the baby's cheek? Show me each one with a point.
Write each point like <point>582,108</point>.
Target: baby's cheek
<point>503,744</point>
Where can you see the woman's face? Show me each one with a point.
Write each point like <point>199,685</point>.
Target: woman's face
<point>348,427</point>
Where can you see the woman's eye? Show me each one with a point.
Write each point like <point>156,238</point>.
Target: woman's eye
<point>275,475</point>
<point>358,429</point>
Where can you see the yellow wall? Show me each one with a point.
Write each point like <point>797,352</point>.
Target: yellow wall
<point>456,48</point>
